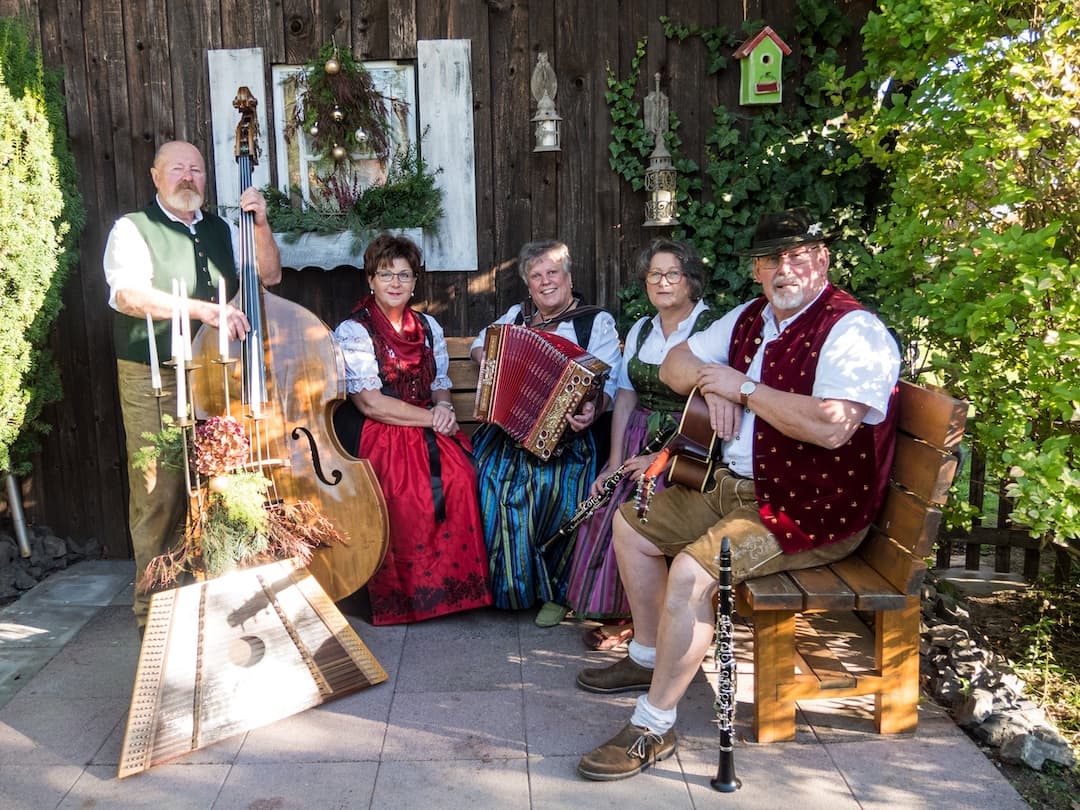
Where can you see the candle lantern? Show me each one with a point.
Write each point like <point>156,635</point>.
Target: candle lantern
<point>661,177</point>
<point>544,87</point>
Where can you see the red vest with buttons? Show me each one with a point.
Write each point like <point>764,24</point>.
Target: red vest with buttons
<point>810,496</point>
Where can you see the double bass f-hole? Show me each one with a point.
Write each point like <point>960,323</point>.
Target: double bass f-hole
<point>289,383</point>
<point>315,460</point>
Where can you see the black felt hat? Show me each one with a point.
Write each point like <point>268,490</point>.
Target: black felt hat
<point>779,231</point>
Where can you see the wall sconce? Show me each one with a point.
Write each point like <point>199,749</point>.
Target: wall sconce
<point>544,87</point>
<point>660,177</point>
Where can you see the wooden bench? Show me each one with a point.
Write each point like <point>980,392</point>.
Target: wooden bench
<point>882,578</point>
<point>463,374</point>
<point>793,662</point>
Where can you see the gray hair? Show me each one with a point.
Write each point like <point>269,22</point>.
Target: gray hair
<point>532,251</point>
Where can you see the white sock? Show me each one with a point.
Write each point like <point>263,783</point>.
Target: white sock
<point>658,721</point>
<point>641,655</point>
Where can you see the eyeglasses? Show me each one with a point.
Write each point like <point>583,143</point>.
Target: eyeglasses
<point>385,276</point>
<point>671,277</point>
<point>771,263</point>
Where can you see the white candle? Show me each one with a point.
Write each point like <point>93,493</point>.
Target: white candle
<point>178,351</point>
<point>223,321</point>
<point>155,372</point>
<point>181,390</point>
<point>175,346</point>
<point>185,327</point>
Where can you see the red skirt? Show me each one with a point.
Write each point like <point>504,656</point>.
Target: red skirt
<point>432,567</point>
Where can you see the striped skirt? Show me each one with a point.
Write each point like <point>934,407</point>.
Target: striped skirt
<point>523,502</point>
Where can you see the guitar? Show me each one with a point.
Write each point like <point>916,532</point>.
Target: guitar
<point>690,450</point>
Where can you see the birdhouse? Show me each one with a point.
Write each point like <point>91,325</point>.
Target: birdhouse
<point>761,60</point>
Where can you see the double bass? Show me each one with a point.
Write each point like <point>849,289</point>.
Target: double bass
<point>284,390</point>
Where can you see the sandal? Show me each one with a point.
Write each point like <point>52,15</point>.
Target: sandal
<point>608,636</point>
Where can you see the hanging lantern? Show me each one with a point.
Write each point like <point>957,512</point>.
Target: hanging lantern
<point>544,87</point>
<point>660,185</point>
<point>661,177</point>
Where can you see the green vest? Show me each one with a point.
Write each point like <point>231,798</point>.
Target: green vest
<point>197,260</point>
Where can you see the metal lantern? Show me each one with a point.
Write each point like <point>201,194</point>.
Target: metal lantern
<point>661,177</point>
<point>544,87</point>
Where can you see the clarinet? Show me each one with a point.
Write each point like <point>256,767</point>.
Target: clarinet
<point>587,507</point>
<point>725,781</point>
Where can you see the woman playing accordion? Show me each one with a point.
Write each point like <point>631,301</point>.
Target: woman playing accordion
<point>524,498</point>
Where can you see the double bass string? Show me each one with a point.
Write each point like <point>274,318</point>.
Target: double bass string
<point>254,369</point>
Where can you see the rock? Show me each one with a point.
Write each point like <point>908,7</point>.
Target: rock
<point>976,708</point>
<point>55,547</point>
<point>9,550</point>
<point>1033,751</point>
<point>24,579</point>
<point>948,690</point>
<point>998,729</point>
<point>946,608</point>
<point>92,549</point>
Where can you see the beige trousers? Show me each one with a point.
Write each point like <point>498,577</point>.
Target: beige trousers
<point>685,520</point>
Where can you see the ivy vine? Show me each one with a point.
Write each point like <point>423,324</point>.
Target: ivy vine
<point>757,160</point>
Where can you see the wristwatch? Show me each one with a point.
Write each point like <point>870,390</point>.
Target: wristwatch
<point>745,390</point>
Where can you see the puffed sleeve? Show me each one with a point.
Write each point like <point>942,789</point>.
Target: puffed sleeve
<point>442,355</point>
<point>604,344</point>
<point>361,367</point>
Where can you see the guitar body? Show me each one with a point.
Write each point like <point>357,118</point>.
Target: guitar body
<point>690,451</point>
<point>693,446</point>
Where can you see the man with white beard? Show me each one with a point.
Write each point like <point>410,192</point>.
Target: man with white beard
<point>800,385</point>
<point>170,240</point>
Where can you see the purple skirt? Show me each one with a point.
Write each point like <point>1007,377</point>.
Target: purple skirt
<point>595,590</point>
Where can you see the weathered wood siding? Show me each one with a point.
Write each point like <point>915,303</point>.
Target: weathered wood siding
<point>135,75</point>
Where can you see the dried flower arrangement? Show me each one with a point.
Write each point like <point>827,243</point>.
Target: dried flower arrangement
<point>231,521</point>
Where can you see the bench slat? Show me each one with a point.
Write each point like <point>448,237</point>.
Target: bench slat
<point>923,469</point>
<point>774,592</point>
<point>822,589</point>
<point>464,375</point>
<point>872,591</point>
<point>458,347</point>
<point>902,569</point>
<point>909,520</point>
<point>932,415</point>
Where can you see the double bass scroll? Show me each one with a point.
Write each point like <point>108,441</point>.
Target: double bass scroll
<point>285,390</point>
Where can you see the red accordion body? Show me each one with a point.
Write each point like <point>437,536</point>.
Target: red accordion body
<point>531,380</point>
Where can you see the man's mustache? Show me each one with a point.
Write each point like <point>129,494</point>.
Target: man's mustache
<point>187,185</point>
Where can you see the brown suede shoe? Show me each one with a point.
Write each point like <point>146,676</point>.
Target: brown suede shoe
<point>629,752</point>
<point>622,676</point>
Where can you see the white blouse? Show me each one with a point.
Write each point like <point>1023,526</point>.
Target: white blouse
<point>362,367</point>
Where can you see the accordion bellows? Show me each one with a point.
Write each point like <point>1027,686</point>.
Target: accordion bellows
<point>531,380</point>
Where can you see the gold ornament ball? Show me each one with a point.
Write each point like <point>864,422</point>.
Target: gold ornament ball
<point>314,130</point>
<point>332,66</point>
<point>338,152</point>
<point>337,114</point>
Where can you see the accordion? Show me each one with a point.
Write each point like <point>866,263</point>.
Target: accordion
<point>531,380</point>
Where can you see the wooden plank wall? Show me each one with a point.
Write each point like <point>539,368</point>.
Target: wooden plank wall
<point>135,75</point>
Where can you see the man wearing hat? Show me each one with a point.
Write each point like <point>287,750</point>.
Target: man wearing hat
<point>800,384</point>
